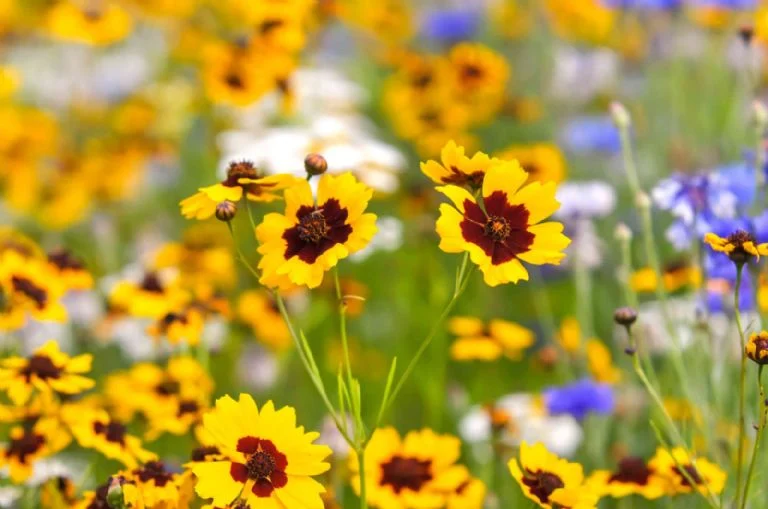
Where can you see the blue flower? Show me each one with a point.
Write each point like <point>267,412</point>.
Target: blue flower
<point>580,398</point>
<point>644,4</point>
<point>450,25</point>
<point>591,134</point>
<point>725,4</point>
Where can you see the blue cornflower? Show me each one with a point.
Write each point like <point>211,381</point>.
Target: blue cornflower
<point>450,25</point>
<point>580,398</point>
<point>725,4</point>
<point>591,134</point>
<point>644,4</point>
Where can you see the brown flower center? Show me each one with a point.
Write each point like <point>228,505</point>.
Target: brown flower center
<point>406,473</point>
<point>260,465</point>
<point>692,473</point>
<point>64,260</point>
<point>631,471</point>
<point>203,453</point>
<point>41,366</point>
<point>497,228</point>
<point>264,465</point>
<point>26,445</point>
<point>312,227</point>
<point>188,407</point>
<point>151,283</point>
<point>112,431</point>
<point>542,484</point>
<point>459,178</point>
<point>35,293</point>
<point>168,387</point>
<point>240,169</point>
<point>154,471</point>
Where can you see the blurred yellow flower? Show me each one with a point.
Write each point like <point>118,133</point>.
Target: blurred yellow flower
<point>97,24</point>
<point>478,341</point>
<point>543,162</point>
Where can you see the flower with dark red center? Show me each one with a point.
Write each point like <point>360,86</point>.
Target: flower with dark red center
<point>757,347</point>
<point>313,236</point>
<point>684,474</point>
<point>455,168</point>
<point>740,246</point>
<point>420,466</point>
<point>47,369</point>
<point>543,162</point>
<point>111,430</point>
<point>27,444</point>
<point>550,481</point>
<point>70,269</point>
<point>505,228</point>
<point>243,180</point>
<point>274,459</point>
<point>633,476</point>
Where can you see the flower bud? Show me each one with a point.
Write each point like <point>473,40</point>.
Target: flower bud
<point>620,115</point>
<point>225,211</point>
<point>622,232</point>
<point>642,200</point>
<point>115,498</point>
<point>315,164</point>
<point>625,316</point>
<point>757,347</point>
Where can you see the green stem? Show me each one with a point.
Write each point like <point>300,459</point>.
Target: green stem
<point>761,409</point>
<point>742,383</point>
<point>361,467</point>
<point>462,278</point>
<point>343,328</point>
<point>250,215</point>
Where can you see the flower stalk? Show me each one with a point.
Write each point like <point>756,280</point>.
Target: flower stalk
<point>762,411</point>
<point>742,382</point>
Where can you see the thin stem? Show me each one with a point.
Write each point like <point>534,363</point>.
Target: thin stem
<point>250,215</point>
<point>361,464</point>
<point>761,411</point>
<point>742,383</point>
<point>343,328</point>
<point>459,289</point>
<point>240,255</point>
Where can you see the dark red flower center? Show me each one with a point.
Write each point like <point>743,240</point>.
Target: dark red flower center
<point>501,231</point>
<point>204,453</point>
<point>42,367</point>
<point>542,484</point>
<point>692,473</point>
<point>35,293</point>
<point>154,471</point>
<point>24,446</point>
<point>632,471</point>
<point>264,465</point>
<point>234,80</point>
<point>406,473</point>
<point>151,283</point>
<point>459,178</point>
<point>112,431</point>
<point>317,230</point>
<point>471,74</point>
<point>238,170</point>
<point>168,387</point>
<point>188,407</point>
<point>63,259</point>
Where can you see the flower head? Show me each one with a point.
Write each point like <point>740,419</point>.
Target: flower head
<point>26,445</point>
<point>314,234</point>
<point>757,347</point>
<point>633,476</point>
<point>579,398</point>
<point>550,481</point>
<point>505,228</point>
<point>476,341</point>
<point>740,246</point>
<point>419,470</point>
<point>268,457</point>
<point>48,370</point>
<point>685,475</point>
<point>458,169</point>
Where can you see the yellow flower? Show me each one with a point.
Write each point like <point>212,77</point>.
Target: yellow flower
<point>587,20</point>
<point>468,495</point>
<point>93,428</point>
<point>675,277</point>
<point>312,236</point>
<point>757,347</point>
<point>28,286</point>
<point>58,492</point>
<point>479,77</point>
<point>150,298</point>
<point>507,229</point>
<point>97,25</point>
<point>258,309</point>
<point>632,477</point>
<point>551,481</point>
<point>740,246</point>
<point>70,270</point>
<point>47,370</point>
<point>600,362</point>
<point>417,471</point>
<point>569,335</point>
<point>185,326</point>
<point>270,461</point>
<point>477,342</point>
<point>155,486</point>
<point>242,179</point>
<point>203,257</point>
<point>543,162</point>
<point>26,445</point>
<point>707,476</point>
<point>458,169</point>
<point>9,82</point>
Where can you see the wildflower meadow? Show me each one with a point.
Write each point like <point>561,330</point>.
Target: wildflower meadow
<point>383,254</point>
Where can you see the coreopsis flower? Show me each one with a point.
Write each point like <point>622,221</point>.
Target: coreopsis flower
<point>260,312</point>
<point>28,444</point>
<point>298,247</point>
<point>417,471</point>
<point>633,476</point>
<point>740,246</point>
<point>243,179</point>
<point>507,228</point>
<point>156,486</point>
<point>569,335</point>
<point>458,169</point>
<point>706,476</point>
<point>551,481</point>
<point>149,298</point>
<point>70,270</point>
<point>270,461</point>
<point>543,162</point>
<point>28,286</point>
<point>479,77</point>
<point>58,490</point>
<point>94,428</point>
<point>95,24</point>
<point>97,499</point>
<point>478,341</point>
<point>757,347</point>
<point>47,370</point>
<point>600,362</point>
<point>468,495</point>
<point>676,276</point>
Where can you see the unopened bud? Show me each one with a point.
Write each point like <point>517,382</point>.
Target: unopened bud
<point>225,211</point>
<point>642,200</point>
<point>622,232</point>
<point>620,115</point>
<point>115,498</point>
<point>315,164</point>
<point>760,113</point>
<point>625,316</point>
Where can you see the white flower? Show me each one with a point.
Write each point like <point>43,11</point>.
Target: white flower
<point>257,367</point>
<point>389,237</point>
<point>580,75</point>
<point>9,496</point>
<point>590,199</point>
